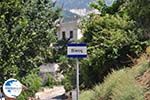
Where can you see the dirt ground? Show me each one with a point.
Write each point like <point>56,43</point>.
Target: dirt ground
<point>144,81</point>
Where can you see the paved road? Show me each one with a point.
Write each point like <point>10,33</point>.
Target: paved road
<point>51,94</point>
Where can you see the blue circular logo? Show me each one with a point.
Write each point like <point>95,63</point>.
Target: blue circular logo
<point>12,88</point>
<point>109,2</point>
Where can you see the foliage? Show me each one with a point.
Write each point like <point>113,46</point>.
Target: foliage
<point>136,9</point>
<point>87,95</point>
<point>67,65</point>
<point>107,37</point>
<point>69,80</point>
<point>120,85</point>
<point>101,6</point>
<point>113,37</point>
<point>26,32</point>
<point>33,82</point>
<point>139,11</point>
<point>50,82</point>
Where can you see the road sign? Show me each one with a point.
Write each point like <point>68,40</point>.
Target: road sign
<point>77,50</point>
<point>12,88</point>
<point>109,2</point>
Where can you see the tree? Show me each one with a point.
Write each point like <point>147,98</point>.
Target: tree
<point>26,32</point>
<point>112,37</point>
<point>140,12</point>
<point>101,6</point>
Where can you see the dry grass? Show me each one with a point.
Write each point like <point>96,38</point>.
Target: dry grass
<point>122,84</point>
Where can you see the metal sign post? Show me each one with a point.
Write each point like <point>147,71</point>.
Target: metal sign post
<point>77,51</point>
<point>77,80</point>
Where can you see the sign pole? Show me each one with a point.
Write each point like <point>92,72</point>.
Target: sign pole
<point>77,50</point>
<point>77,77</point>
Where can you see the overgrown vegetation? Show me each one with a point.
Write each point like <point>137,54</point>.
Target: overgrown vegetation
<point>33,83</point>
<point>113,38</point>
<point>50,81</point>
<point>26,31</point>
<point>69,80</point>
<point>120,85</point>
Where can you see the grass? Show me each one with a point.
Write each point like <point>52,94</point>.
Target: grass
<point>120,85</point>
<point>87,95</point>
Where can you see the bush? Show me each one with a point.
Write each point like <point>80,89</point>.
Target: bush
<point>87,95</point>
<point>112,38</point>
<point>50,82</point>
<point>120,85</point>
<point>68,84</point>
<point>33,82</point>
<point>126,88</point>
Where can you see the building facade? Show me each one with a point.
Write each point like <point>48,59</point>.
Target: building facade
<point>69,30</point>
<point>69,26</point>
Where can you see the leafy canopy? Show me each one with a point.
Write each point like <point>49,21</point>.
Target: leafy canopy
<point>112,36</point>
<point>26,31</point>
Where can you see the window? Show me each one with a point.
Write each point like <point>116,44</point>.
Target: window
<point>63,35</point>
<point>71,34</point>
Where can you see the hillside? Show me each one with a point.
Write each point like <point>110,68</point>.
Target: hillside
<point>126,84</point>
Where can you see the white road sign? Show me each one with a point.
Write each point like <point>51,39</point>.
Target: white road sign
<point>77,50</point>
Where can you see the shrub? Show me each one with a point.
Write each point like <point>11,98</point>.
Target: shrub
<point>110,38</point>
<point>87,95</point>
<point>126,88</point>
<point>67,82</point>
<point>104,91</point>
<point>50,81</point>
<point>127,91</point>
<point>69,79</point>
<point>33,82</point>
<point>119,85</point>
